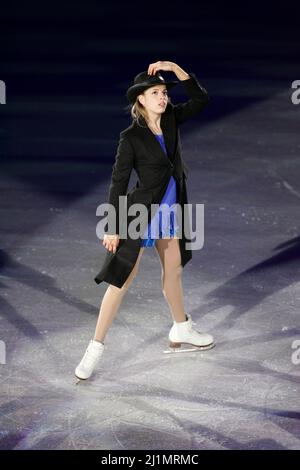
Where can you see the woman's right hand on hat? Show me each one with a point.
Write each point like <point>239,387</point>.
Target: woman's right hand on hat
<point>111,242</point>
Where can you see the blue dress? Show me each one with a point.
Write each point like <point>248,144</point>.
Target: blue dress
<point>163,225</point>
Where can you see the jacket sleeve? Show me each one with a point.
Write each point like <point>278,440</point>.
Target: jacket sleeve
<point>199,98</point>
<point>121,171</point>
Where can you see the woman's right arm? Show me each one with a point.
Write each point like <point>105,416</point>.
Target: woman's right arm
<point>121,171</point>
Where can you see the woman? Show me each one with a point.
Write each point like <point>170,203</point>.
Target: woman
<point>150,145</point>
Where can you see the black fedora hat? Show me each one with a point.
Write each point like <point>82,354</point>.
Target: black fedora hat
<point>142,81</point>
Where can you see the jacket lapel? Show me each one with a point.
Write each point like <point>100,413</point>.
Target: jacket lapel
<point>152,142</point>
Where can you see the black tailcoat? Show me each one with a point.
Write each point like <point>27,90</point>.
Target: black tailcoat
<point>139,149</point>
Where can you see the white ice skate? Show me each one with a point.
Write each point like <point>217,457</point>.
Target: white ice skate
<point>87,364</point>
<point>183,333</point>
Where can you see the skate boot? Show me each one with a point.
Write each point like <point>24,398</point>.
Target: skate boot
<point>183,333</point>
<point>88,362</point>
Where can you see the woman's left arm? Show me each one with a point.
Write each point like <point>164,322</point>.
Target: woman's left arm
<point>198,96</point>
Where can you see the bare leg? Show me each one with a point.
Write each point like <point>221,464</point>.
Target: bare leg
<point>111,302</point>
<point>170,258</point>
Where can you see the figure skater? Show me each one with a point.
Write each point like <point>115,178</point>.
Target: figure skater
<point>155,120</point>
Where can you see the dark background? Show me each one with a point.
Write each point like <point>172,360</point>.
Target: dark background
<point>67,65</point>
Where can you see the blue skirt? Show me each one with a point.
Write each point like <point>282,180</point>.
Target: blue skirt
<point>163,225</point>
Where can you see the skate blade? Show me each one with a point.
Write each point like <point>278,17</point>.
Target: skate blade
<point>78,380</point>
<point>185,350</point>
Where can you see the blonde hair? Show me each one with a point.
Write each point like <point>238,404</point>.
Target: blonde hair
<point>138,112</point>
